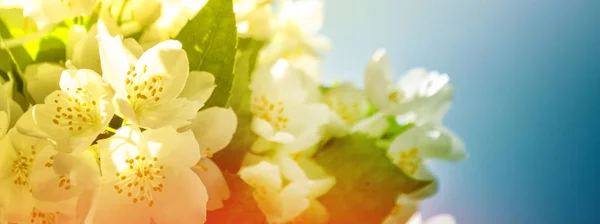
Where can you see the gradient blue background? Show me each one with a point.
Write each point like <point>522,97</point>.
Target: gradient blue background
<point>527,105</point>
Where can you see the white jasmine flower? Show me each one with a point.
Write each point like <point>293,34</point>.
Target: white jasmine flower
<point>42,79</point>
<point>26,172</point>
<point>405,208</point>
<point>296,36</point>
<point>213,129</point>
<point>254,18</point>
<point>48,12</point>
<point>412,148</point>
<point>82,46</point>
<point>283,110</point>
<point>349,105</point>
<point>280,202</point>
<point>148,176</point>
<point>74,116</point>
<point>148,89</point>
<point>422,94</point>
<point>174,15</point>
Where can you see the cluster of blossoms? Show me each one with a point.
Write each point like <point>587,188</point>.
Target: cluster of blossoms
<point>116,130</point>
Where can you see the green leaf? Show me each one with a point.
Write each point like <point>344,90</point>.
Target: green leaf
<point>240,205</point>
<point>368,183</point>
<point>5,63</point>
<point>52,49</point>
<point>210,42</point>
<point>252,48</point>
<point>21,58</point>
<point>230,158</point>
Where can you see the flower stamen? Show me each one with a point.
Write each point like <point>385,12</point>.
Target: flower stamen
<point>140,179</point>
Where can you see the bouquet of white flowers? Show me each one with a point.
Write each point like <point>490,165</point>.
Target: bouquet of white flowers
<point>191,111</point>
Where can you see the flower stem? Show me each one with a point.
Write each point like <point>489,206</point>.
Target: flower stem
<point>13,42</point>
<point>119,17</point>
<point>10,54</point>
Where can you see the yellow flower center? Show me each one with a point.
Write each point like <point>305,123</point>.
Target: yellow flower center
<point>39,217</point>
<point>141,88</point>
<point>270,112</point>
<point>410,161</point>
<point>394,96</point>
<point>21,168</point>
<point>140,179</point>
<point>65,181</point>
<point>77,111</point>
<point>348,111</point>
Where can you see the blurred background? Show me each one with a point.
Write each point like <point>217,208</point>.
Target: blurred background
<point>527,97</point>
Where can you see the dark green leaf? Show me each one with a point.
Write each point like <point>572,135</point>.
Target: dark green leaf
<point>230,158</point>
<point>241,205</point>
<point>368,183</point>
<point>210,42</point>
<point>52,49</point>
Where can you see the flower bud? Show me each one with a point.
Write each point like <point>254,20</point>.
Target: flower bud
<point>41,79</point>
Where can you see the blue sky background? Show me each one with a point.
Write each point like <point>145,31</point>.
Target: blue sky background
<point>527,86</point>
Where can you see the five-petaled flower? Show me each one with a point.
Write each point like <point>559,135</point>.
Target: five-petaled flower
<point>147,176</point>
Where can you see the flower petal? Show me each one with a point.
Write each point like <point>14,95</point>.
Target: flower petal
<point>213,180</point>
<point>378,77</point>
<point>307,14</point>
<point>213,128</point>
<point>263,174</point>
<point>441,219</point>
<point>294,200</point>
<point>167,59</point>
<point>114,61</point>
<point>182,200</point>
<point>171,147</point>
<point>404,210</point>
<point>199,86</point>
<point>374,126</point>
<point>290,168</point>
<point>116,208</point>
<point>42,79</point>
<point>17,202</point>
<point>81,167</point>
<point>133,48</point>
<point>175,113</point>
<point>46,184</point>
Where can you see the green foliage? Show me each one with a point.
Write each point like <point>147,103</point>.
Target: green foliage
<point>52,47</point>
<point>210,42</point>
<point>368,183</point>
<point>241,205</point>
<point>231,157</point>
<point>15,64</point>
